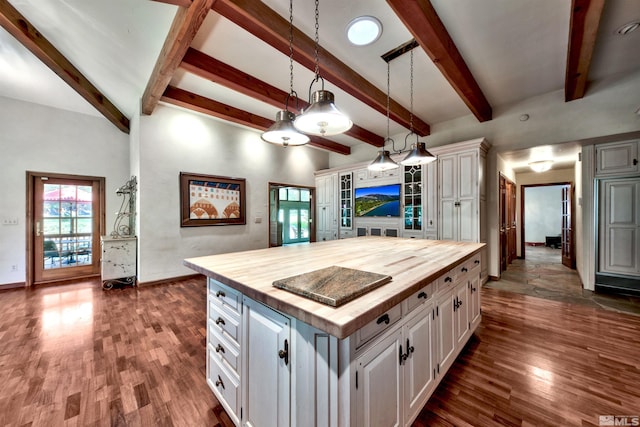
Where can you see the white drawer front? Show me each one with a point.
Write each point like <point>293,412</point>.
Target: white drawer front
<point>379,325</point>
<point>223,322</point>
<point>225,386</point>
<point>448,279</point>
<point>224,351</point>
<point>225,296</point>
<point>424,294</point>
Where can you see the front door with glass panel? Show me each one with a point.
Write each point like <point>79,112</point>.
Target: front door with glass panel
<point>293,214</point>
<point>66,215</point>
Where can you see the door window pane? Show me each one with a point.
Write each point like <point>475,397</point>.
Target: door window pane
<point>293,224</point>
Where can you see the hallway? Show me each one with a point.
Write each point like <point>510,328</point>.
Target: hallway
<point>541,274</point>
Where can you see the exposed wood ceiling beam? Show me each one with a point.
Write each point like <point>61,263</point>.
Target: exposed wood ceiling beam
<point>266,24</point>
<point>212,69</point>
<point>583,31</point>
<point>192,101</point>
<point>423,22</point>
<point>183,29</point>
<point>20,28</point>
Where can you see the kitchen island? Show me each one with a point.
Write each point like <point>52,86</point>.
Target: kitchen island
<point>279,358</point>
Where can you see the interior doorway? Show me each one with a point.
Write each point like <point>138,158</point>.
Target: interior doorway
<point>291,214</point>
<point>65,219</point>
<point>547,219</point>
<point>508,222</point>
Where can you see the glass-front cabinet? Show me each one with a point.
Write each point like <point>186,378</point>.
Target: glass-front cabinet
<point>413,194</point>
<point>346,204</point>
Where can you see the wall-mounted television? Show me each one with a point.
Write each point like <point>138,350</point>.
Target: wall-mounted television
<point>379,201</point>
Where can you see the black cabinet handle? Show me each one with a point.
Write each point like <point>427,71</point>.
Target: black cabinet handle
<point>220,321</point>
<point>384,318</point>
<point>448,279</point>
<point>402,357</point>
<point>220,294</point>
<point>635,162</point>
<point>422,295</point>
<point>284,354</point>
<point>219,382</point>
<point>477,261</point>
<point>464,269</point>
<point>219,348</point>
<point>410,348</point>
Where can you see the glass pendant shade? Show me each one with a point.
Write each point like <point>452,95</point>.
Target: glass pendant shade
<point>383,162</point>
<point>541,165</point>
<point>282,132</point>
<point>419,155</point>
<point>322,117</point>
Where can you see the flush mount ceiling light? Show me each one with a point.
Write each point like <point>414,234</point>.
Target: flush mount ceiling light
<point>322,117</point>
<point>364,30</point>
<point>628,28</point>
<point>282,132</point>
<point>541,165</point>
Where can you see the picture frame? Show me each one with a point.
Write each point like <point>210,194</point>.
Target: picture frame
<point>211,200</point>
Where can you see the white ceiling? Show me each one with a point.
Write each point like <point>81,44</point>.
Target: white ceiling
<point>514,49</point>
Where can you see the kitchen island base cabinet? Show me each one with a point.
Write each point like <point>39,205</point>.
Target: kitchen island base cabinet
<point>271,367</point>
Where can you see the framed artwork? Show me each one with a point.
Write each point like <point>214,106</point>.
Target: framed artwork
<point>211,200</point>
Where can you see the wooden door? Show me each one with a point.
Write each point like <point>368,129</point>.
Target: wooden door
<point>511,222</point>
<point>67,214</point>
<point>568,251</point>
<point>504,248</point>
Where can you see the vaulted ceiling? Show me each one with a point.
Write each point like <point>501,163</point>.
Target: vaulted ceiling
<point>229,58</point>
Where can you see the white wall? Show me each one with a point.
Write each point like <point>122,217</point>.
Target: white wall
<point>43,139</point>
<point>173,140</point>
<point>542,213</point>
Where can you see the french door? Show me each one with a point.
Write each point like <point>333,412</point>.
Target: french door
<point>67,217</point>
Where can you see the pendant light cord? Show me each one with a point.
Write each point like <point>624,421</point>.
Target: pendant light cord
<point>317,40</point>
<point>388,102</point>
<point>411,86</point>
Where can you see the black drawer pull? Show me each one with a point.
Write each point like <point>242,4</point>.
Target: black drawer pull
<point>220,294</point>
<point>219,382</point>
<point>422,295</point>
<point>464,269</point>
<point>384,318</point>
<point>448,279</point>
<point>284,354</point>
<point>477,261</point>
<point>219,348</point>
<point>219,321</point>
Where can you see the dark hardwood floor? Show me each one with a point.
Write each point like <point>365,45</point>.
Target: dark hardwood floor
<point>76,355</point>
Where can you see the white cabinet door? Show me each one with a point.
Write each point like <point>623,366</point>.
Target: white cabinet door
<point>620,226</point>
<point>266,374</point>
<point>445,325</point>
<point>461,308</point>
<point>419,370</point>
<point>379,384</point>
<point>618,158</point>
<point>326,207</point>
<point>474,300</point>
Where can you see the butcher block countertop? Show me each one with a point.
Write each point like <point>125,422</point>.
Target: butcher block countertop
<point>411,263</point>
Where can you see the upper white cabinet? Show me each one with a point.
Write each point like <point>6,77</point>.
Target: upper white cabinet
<point>326,207</point>
<point>620,158</point>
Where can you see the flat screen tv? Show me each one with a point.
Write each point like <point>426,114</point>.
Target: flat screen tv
<point>379,201</point>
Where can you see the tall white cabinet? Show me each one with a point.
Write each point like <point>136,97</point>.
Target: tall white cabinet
<point>618,200</point>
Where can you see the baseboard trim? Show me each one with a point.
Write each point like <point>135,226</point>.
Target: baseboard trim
<point>534,243</point>
<point>169,280</point>
<point>8,286</point>
<point>494,278</point>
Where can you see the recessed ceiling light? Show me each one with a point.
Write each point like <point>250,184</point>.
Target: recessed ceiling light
<point>364,30</point>
<point>628,28</point>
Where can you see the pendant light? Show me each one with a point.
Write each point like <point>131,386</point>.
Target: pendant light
<point>418,154</point>
<point>383,161</point>
<point>283,132</point>
<point>322,117</point>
